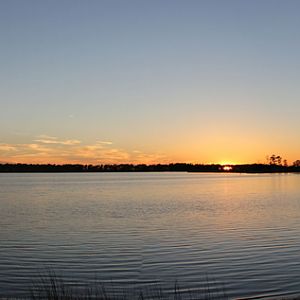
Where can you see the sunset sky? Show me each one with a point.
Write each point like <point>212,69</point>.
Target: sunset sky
<point>149,81</point>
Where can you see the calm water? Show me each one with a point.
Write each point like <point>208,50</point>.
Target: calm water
<point>240,231</point>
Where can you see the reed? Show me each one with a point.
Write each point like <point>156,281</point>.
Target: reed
<point>53,287</point>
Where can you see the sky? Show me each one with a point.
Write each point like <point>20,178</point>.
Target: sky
<point>149,81</point>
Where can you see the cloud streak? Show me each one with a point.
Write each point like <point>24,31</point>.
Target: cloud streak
<point>48,149</point>
<point>44,139</point>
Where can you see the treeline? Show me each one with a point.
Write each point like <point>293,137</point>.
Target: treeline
<point>176,167</point>
<point>264,168</point>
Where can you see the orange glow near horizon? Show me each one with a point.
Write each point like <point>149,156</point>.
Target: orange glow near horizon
<point>227,163</point>
<point>48,149</point>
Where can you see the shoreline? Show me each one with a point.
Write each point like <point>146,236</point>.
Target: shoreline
<point>137,168</point>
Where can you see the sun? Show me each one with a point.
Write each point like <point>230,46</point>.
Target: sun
<point>227,168</point>
<point>226,165</point>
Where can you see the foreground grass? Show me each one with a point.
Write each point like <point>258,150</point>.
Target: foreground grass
<point>51,287</point>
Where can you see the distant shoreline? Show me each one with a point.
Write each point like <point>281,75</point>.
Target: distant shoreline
<point>174,167</point>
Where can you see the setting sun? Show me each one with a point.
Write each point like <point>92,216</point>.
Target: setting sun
<point>227,168</point>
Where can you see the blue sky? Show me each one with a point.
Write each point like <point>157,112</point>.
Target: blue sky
<point>156,81</point>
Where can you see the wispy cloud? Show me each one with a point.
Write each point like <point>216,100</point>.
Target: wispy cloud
<point>7,147</point>
<point>23,152</point>
<point>49,149</point>
<point>105,142</point>
<point>45,139</point>
<point>138,156</point>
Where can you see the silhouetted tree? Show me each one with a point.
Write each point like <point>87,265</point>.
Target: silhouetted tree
<point>275,160</point>
<point>296,163</point>
<point>278,160</point>
<point>272,159</point>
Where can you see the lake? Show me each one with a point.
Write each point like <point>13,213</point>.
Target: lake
<point>237,231</point>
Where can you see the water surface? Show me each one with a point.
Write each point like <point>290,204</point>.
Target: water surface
<point>135,229</point>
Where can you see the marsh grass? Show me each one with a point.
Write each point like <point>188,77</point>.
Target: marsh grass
<point>54,287</point>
